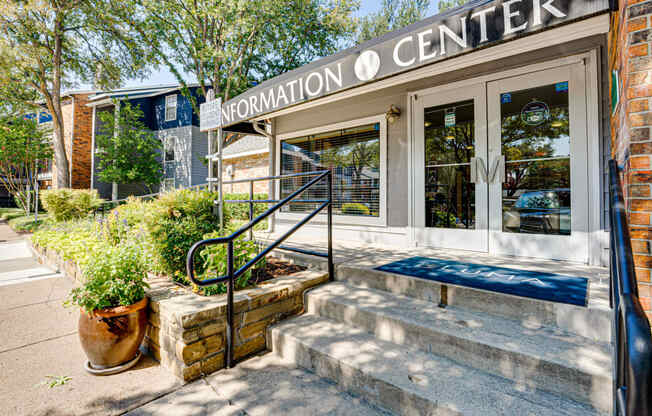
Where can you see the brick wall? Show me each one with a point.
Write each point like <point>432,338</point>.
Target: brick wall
<point>629,54</point>
<point>81,149</point>
<point>253,166</point>
<point>78,150</point>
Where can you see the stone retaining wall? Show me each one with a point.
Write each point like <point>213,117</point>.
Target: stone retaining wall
<point>187,331</point>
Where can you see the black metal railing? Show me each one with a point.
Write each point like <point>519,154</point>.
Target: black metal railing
<point>633,341</point>
<point>232,274</point>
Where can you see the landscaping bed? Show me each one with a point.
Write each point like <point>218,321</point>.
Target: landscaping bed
<point>21,223</point>
<point>187,322</point>
<point>187,330</point>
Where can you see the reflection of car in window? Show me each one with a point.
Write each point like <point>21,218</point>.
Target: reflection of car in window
<point>540,212</point>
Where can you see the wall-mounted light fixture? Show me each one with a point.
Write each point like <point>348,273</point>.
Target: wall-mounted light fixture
<point>393,114</point>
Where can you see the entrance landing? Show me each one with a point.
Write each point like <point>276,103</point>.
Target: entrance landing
<point>357,262</point>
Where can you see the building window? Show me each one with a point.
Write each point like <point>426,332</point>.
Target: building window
<point>353,155</point>
<point>168,149</point>
<point>171,107</point>
<point>169,157</point>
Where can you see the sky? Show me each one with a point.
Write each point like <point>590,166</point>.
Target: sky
<point>163,76</point>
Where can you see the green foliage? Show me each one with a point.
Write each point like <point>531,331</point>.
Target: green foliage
<point>74,240</point>
<point>240,211</point>
<point>130,154</point>
<point>355,208</point>
<point>114,276</point>
<point>450,4</point>
<point>229,45</point>
<point>177,220</point>
<point>55,381</point>
<point>24,148</point>
<point>26,223</point>
<point>45,46</point>
<point>10,213</point>
<point>160,231</point>
<point>444,218</point>
<point>68,204</point>
<point>215,263</point>
<point>393,15</point>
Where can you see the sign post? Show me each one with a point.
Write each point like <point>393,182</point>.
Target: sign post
<point>210,120</point>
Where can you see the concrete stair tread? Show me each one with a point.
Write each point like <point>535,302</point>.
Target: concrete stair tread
<point>543,343</point>
<point>394,374</point>
<point>593,322</point>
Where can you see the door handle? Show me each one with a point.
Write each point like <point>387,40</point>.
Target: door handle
<point>498,169</point>
<point>478,168</point>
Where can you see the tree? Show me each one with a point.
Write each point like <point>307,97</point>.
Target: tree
<point>47,45</point>
<point>24,150</point>
<point>230,45</point>
<point>449,4</point>
<point>130,153</point>
<point>393,14</point>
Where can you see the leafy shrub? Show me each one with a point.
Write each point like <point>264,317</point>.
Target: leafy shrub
<point>177,220</point>
<point>240,211</point>
<point>68,204</point>
<point>133,211</point>
<point>74,240</point>
<point>114,276</point>
<point>215,263</point>
<point>443,218</point>
<point>355,208</point>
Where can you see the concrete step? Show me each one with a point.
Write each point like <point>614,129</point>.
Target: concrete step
<point>593,322</point>
<point>538,357</point>
<point>404,380</point>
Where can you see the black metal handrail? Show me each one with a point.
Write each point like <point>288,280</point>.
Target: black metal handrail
<point>232,274</point>
<point>633,341</point>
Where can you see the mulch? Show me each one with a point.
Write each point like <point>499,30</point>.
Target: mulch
<point>274,268</point>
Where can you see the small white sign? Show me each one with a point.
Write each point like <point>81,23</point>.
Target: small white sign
<point>210,115</point>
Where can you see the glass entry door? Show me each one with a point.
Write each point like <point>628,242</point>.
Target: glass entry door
<point>450,153</point>
<point>538,187</point>
<point>501,166</point>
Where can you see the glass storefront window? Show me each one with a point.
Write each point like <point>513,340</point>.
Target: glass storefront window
<point>536,144</point>
<point>353,157</point>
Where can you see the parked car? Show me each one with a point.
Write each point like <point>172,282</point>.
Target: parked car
<point>540,212</point>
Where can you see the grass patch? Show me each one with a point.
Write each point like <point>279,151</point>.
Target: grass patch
<point>26,223</point>
<point>10,213</point>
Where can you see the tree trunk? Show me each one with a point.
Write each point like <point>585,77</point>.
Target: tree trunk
<point>60,157</point>
<point>114,191</point>
<point>54,105</point>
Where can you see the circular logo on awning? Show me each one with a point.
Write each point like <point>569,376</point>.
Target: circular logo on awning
<point>367,65</point>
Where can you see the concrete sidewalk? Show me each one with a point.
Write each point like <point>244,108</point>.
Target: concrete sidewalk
<point>38,338</point>
<point>7,234</point>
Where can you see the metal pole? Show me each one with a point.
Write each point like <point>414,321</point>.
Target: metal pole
<point>29,198</point>
<point>251,209</point>
<point>220,143</point>
<point>210,160</point>
<point>331,266</point>
<point>36,199</point>
<point>229,307</point>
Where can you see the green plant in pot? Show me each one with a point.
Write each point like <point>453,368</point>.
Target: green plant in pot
<point>113,319</point>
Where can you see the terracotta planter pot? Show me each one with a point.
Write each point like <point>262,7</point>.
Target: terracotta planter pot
<point>111,336</point>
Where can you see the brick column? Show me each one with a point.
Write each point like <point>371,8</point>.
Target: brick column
<point>629,54</point>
